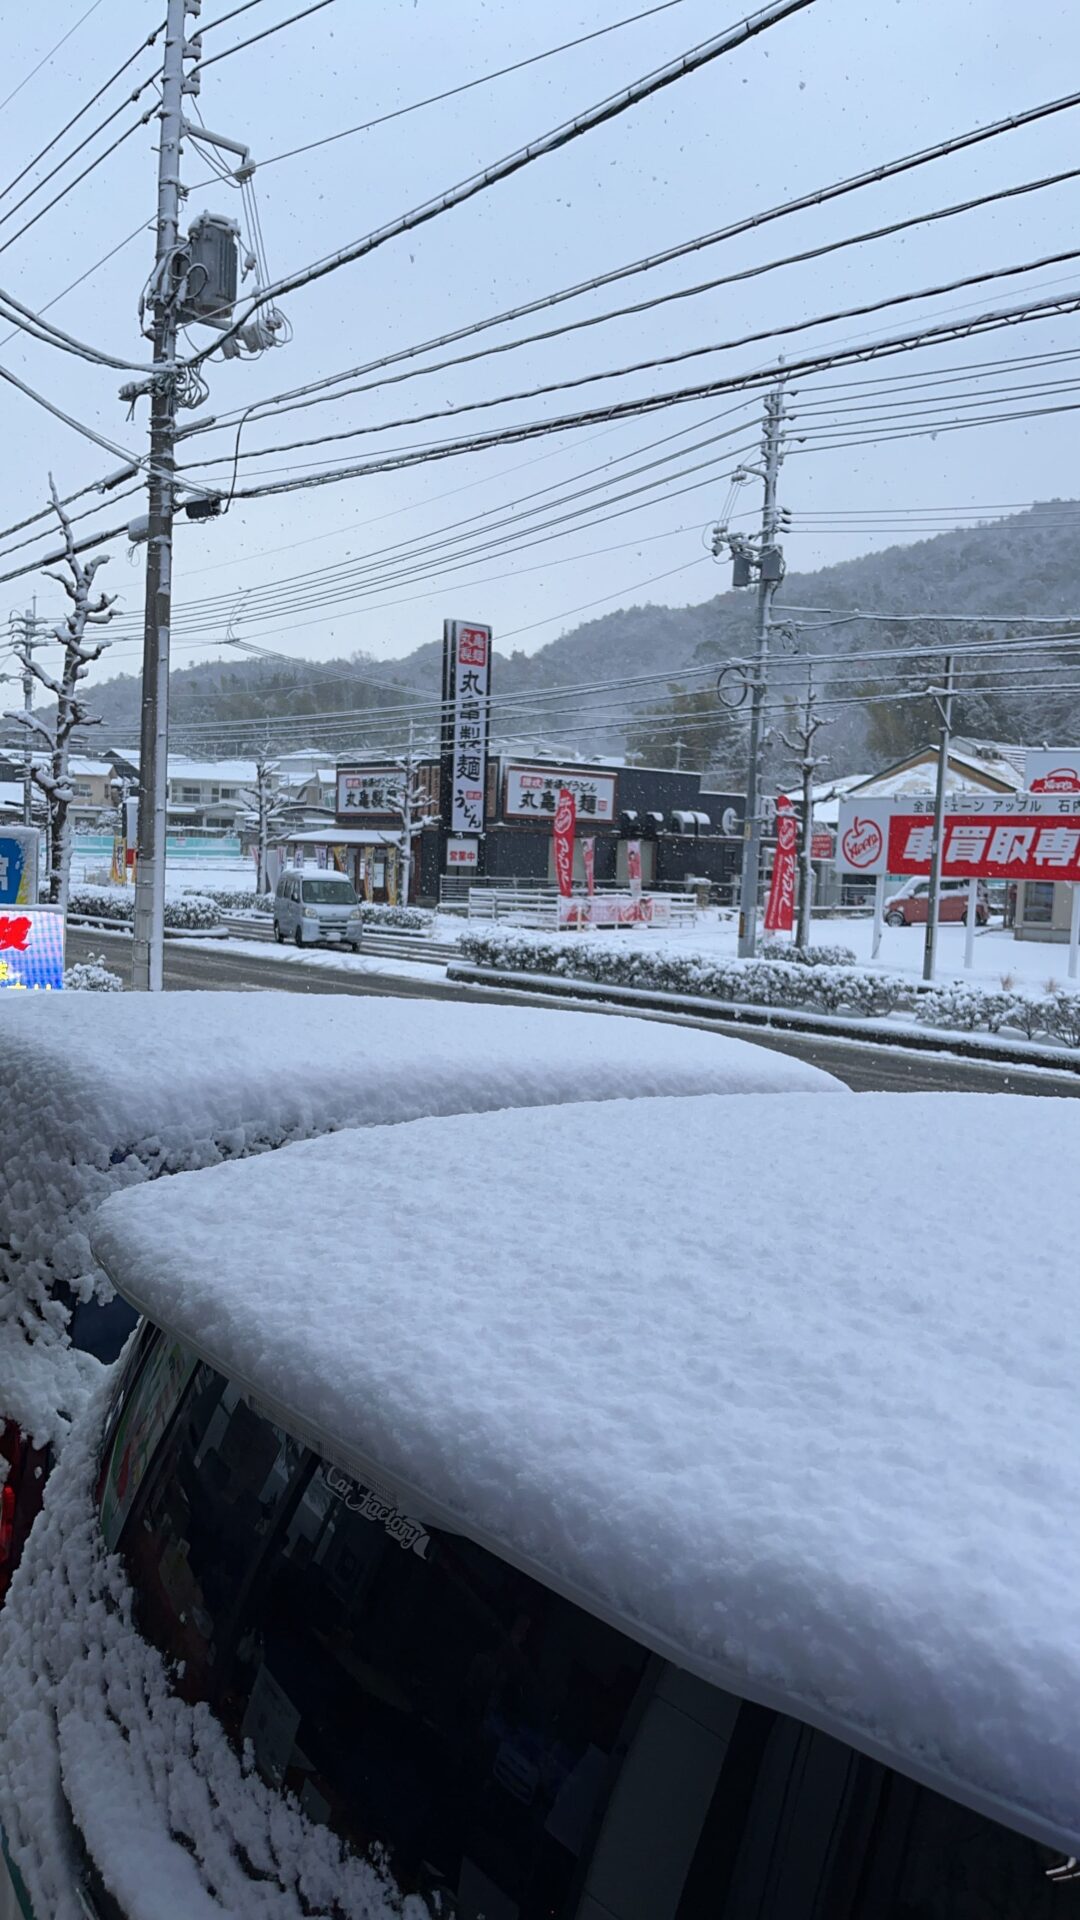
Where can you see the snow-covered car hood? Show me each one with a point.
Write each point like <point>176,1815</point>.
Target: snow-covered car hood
<point>660,1354</point>
<point>100,1092</point>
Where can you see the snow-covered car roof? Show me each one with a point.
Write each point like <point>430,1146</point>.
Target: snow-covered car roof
<point>664,1355</point>
<point>104,1091</point>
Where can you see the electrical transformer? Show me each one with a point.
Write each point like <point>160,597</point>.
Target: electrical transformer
<point>209,293</point>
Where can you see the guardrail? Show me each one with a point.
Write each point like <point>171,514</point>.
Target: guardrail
<point>539,906</point>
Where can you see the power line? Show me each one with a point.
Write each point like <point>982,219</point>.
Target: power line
<point>240,45</point>
<point>79,177</point>
<point>749,223</point>
<point>609,109</point>
<point>84,109</point>
<point>655,362</point>
<point>223,19</point>
<point>466,86</point>
<point>990,321</point>
<point>70,288</point>
<point>46,57</point>
<point>310,399</point>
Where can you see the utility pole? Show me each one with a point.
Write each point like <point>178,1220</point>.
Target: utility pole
<point>679,745</point>
<point>943,699</point>
<point>769,565</point>
<point>802,749</point>
<point>146,967</point>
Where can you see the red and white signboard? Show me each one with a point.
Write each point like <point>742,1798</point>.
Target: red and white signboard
<point>532,792</point>
<point>565,820</point>
<point>466,692</point>
<point>1052,770</point>
<point>588,855</point>
<point>461,853</point>
<point>613,910</point>
<point>987,836</point>
<point>822,844</point>
<point>780,911</point>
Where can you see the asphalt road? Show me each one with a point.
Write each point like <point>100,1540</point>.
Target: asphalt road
<point>865,1068</point>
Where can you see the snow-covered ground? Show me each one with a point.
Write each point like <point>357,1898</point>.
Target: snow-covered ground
<point>337,959</point>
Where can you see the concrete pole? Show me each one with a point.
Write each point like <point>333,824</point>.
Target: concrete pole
<point>149,929</point>
<point>944,698</point>
<point>769,576</point>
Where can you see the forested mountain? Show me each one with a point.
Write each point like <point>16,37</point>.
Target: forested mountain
<point>1023,566</point>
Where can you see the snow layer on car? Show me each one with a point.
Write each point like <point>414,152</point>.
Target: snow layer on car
<point>790,1386</point>
<point>104,1092</point>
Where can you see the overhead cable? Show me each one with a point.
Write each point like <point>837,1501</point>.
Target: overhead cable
<point>264,409</point>
<point>466,86</point>
<point>609,109</point>
<point>748,223</point>
<point>46,57</point>
<point>85,108</point>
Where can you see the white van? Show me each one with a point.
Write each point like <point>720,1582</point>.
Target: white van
<point>529,1550</point>
<point>312,904</point>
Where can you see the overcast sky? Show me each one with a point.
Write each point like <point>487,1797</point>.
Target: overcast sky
<point>841,87</point>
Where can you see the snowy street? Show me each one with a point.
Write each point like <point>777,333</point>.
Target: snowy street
<point>257,968</point>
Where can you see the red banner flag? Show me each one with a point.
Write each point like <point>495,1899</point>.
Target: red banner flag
<point>588,855</point>
<point>780,912</point>
<point>633,868</point>
<point>565,821</point>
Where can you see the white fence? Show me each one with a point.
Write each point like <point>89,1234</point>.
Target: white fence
<point>539,907</point>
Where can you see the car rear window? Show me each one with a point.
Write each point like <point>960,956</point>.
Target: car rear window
<point>329,893</point>
<point>411,1690</point>
<point>516,1757</point>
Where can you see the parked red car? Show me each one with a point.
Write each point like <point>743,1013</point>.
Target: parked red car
<point>910,907</point>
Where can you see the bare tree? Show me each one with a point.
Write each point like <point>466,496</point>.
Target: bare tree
<point>268,805</point>
<point>805,728</point>
<point>410,799</point>
<point>81,647</point>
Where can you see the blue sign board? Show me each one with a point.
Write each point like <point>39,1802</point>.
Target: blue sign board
<point>18,866</point>
<point>31,949</point>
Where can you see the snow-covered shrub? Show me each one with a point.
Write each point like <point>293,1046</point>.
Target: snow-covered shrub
<point>1063,1016</point>
<point>192,913</point>
<point>1028,1012</point>
<point>955,1006</point>
<point>235,899</point>
<point>92,976</point>
<point>855,990</point>
<point>376,913</point>
<point>102,903</point>
<point>765,982</point>
<point>811,956</point>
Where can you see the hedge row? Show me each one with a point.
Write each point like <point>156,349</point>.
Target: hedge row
<point>816,982</point>
<point>192,913</point>
<point>1052,1016</point>
<point>768,983</point>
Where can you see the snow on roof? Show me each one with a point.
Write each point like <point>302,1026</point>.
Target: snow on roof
<point>101,1091</point>
<point>789,1389</point>
<point>333,836</point>
<point>78,763</point>
<point>214,771</point>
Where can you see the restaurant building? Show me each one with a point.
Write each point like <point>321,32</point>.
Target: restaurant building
<point>687,832</point>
